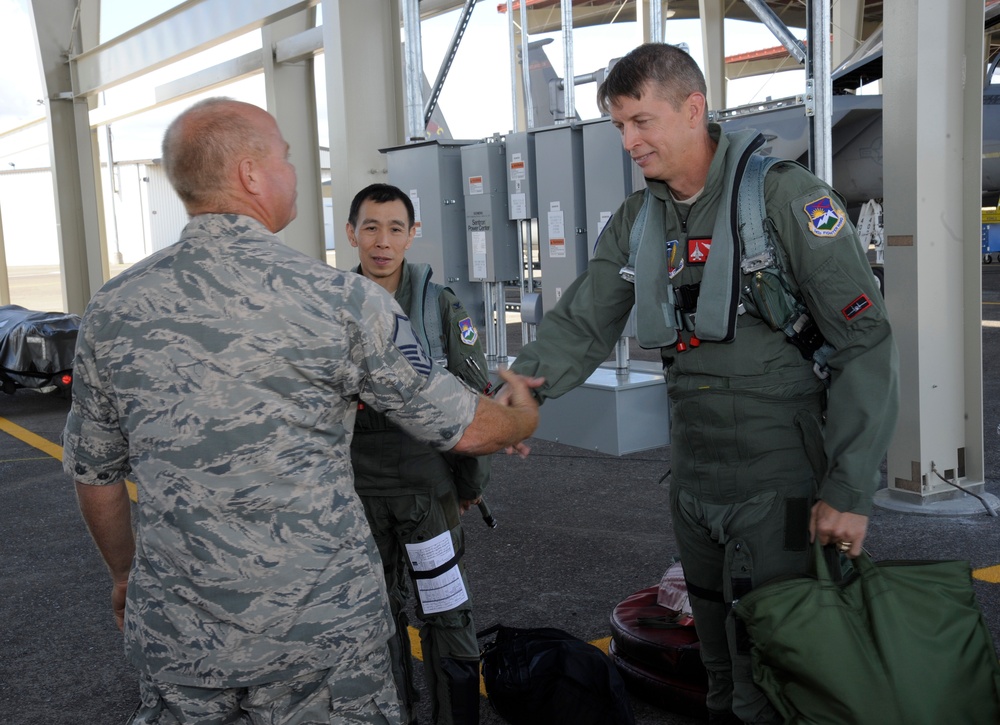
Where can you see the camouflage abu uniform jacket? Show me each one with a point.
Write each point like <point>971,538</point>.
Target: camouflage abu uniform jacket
<point>222,376</point>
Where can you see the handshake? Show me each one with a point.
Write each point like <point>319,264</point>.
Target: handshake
<point>504,419</point>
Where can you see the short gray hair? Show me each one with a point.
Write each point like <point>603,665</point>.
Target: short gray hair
<point>201,143</point>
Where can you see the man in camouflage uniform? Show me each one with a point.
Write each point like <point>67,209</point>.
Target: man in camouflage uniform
<point>222,375</point>
<point>411,492</point>
<point>764,454</point>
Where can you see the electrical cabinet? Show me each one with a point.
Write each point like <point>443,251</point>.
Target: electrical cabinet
<point>490,234</point>
<point>431,174</point>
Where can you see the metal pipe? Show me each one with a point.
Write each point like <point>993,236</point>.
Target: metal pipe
<point>513,65</point>
<point>773,23</point>
<point>569,89</point>
<point>655,21</point>
<point>501,307</point>
<point>489,303</point>
<point>529,106</point>
<point>622,356</point>
<point>820,24</point>
<point>413,70</point>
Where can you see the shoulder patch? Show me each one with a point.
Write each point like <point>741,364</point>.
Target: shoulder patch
<point>407,343</point>
<point>825,218</point>
<point>856,307</point>
<point>468,331</point>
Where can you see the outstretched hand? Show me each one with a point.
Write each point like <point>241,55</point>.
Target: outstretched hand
<point>516,393</point>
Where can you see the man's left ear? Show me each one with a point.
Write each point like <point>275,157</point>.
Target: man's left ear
<point>697,103</point>
<point>248,175</point>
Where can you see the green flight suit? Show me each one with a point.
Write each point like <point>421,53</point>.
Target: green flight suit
<point>411,493</point>
<point>756,437</point>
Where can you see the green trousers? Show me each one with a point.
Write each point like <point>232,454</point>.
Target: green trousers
<point>744,470</point>
<point>448,639</point>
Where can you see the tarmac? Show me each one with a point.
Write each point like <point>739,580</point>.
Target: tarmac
<point>578,531</point>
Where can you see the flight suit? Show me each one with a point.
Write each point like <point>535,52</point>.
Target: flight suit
<point>411,494</point>
<point>756,436</point>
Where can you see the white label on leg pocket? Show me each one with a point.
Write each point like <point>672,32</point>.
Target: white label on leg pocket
<point>445,589</point>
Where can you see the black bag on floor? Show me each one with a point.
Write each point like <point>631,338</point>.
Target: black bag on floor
<point>546,676</point>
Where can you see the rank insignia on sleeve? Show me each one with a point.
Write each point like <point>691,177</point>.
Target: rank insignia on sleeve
<point>468,331</point>
<point>408,344</point>
<point>698,250</point>
<point>858,306</point>
<point>825,218</point>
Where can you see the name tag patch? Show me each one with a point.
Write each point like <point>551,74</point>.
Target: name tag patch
<point>858,306</point>
<point>698,250</point>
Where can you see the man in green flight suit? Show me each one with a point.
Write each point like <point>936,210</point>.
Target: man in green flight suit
<point>765,455</point>
<point>413,495</point>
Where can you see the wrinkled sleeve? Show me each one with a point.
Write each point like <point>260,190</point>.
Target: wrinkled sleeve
<point>400,379</point>
<point>579,333</point>
<point>837,284</point>
<point>95,450</point>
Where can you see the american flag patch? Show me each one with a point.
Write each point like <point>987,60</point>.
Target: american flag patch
<point>407,343</point>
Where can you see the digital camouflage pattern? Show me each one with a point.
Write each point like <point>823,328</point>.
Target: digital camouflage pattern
<point>222,376</point>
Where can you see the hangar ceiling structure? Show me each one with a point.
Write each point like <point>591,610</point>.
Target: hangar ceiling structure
<point>932,185</point>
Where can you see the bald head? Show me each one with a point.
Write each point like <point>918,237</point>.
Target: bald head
<point>228,157</point>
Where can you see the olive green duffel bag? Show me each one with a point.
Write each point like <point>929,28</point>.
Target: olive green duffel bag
<point>894,643</point>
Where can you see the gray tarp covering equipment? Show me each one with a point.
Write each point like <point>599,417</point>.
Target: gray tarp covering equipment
<point>36,348</point>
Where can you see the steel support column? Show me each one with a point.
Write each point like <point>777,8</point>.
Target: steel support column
<point>713,37</point>
<point>291,98</point>
<point>363,69</point>
<point>820,99</point>
<point>847,17</point>
<point>73,148</point>
<point>933,64</point>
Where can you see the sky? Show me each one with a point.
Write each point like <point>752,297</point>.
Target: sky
<point>483,62</point>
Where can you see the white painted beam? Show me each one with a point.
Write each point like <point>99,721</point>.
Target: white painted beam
<point>178,33</point>
<point>713,37</point>
<point>933,258</point>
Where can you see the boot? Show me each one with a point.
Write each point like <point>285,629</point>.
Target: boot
<point>463,688</point>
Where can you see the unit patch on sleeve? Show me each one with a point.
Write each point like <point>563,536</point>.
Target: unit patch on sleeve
<point>468,331</point>
<point>859,305</point>
<point>698,250</point>
<point>825,217</point>
<point>407,343</point>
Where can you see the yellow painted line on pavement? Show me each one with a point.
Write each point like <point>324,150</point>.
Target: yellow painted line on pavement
<point>989,574</point>
<point>32,439</point>
<point>46,446</point>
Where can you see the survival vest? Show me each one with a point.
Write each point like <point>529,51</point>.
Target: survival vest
<point>426,318</point>
<point>768,295</point>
